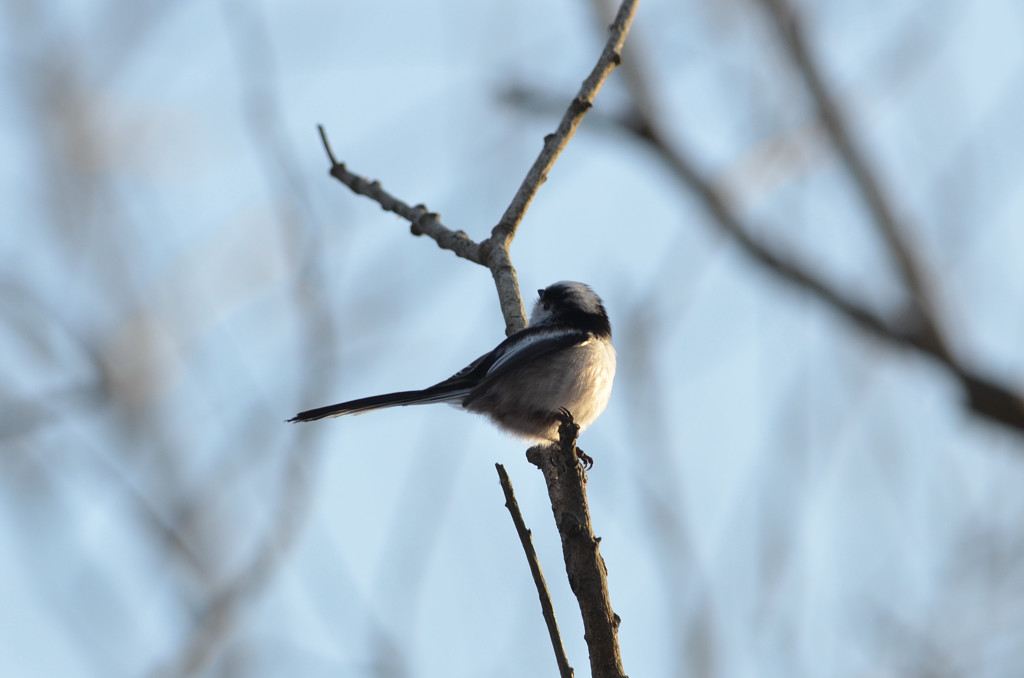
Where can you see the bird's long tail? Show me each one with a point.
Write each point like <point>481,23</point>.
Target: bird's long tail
<point>379,402</point>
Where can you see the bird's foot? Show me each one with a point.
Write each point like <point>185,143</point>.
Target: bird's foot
<point>568,432</point>
<point>586,461</point>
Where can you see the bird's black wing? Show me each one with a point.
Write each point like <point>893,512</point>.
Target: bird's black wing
<point>530,345</point>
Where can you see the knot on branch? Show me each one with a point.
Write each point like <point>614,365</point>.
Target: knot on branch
<point>580,105</point>
<point>423,219</point>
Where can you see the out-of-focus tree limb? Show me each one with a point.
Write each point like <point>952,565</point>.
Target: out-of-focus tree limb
<point>217,618</point>
<point>986,396</point>
<point>914,327</point>
<point>790,29</point>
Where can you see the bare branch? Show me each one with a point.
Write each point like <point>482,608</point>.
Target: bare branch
<point>987,397</point>
<point>423,221</point>
<point>611,57</point>
<point>564,670</point>
<point>566,481</point>
<point>493,252</point>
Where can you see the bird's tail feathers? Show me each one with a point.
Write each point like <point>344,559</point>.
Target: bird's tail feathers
<point>380,402</point>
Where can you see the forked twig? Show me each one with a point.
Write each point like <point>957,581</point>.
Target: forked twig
<point>493,251</point>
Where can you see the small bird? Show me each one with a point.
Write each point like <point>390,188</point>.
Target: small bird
<point>562,364</point>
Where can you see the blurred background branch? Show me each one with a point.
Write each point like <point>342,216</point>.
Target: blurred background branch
<point>778,496</point>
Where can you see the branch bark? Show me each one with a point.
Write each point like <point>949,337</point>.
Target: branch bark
<point>588,577</point>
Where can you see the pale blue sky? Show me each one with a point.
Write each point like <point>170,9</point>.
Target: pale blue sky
<point>778,494</point>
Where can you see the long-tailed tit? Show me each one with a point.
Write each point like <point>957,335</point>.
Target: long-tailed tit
<point>563,361</point>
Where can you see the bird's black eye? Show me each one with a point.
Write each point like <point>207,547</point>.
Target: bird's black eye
<point>545,304</point>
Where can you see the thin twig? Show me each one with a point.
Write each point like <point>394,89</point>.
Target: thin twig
<point>526,540</point>
<point>498,244</point>
<point>611,56</point>
<point>423,221</point>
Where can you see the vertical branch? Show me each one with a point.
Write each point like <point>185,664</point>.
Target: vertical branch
<point>588,577</point>
<point>498,243</point>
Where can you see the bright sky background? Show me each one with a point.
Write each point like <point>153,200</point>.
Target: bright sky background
<point>777,493</point>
